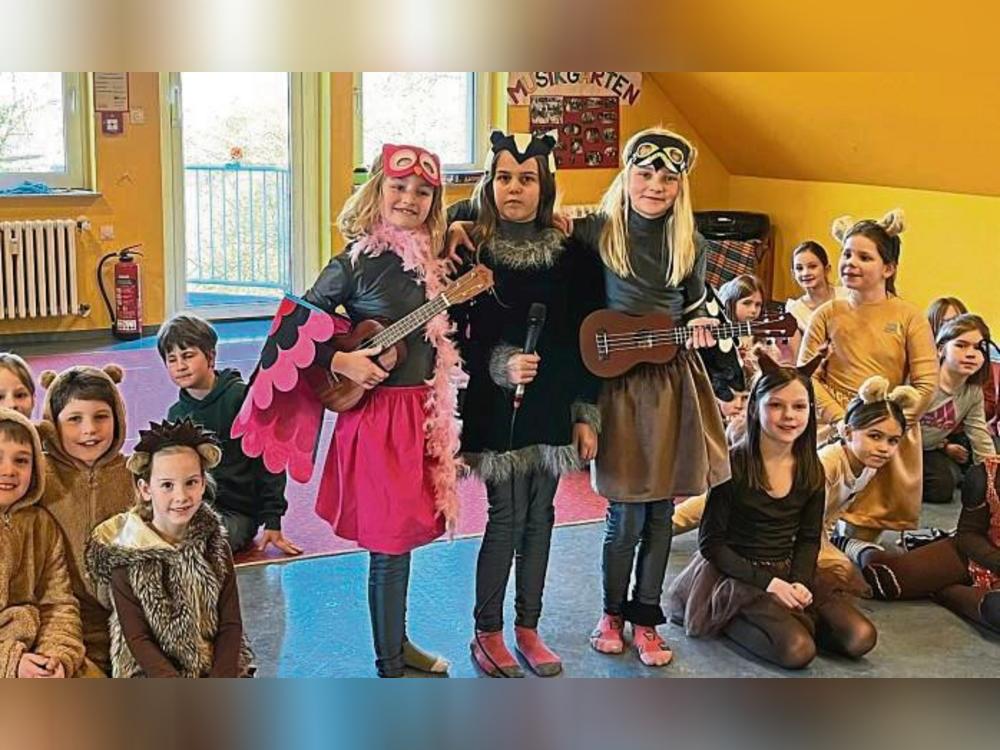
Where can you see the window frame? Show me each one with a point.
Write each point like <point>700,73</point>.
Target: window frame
<point>479,111</point>
<point>78,138</point>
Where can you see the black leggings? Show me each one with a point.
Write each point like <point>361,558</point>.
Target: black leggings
<point>518,530</point>
<point>771,631</point>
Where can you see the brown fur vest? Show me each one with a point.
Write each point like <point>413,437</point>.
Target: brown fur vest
<point>178,589</point>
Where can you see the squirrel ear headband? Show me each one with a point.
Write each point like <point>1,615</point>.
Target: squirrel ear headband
<point>402,161</point>
<point>184,432</point>
<point>522,146</point>
<point>658,150</point>
<point>893,223</point>
<point>768,365</point>
<point>876,388</point>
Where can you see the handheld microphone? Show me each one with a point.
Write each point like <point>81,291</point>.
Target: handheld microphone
<point>536,320</point>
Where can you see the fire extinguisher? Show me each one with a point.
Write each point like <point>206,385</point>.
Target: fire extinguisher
<point>126,316</point>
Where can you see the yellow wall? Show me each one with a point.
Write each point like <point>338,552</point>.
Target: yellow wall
<point>709,181</point>
<point>128,179</point>
<point>949,246</point>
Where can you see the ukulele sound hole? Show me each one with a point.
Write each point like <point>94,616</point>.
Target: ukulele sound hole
<point>645,339</point>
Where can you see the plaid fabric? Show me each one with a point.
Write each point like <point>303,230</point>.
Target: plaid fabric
<point>727,259</point>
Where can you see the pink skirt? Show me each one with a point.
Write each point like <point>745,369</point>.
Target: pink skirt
<point>376,487</point>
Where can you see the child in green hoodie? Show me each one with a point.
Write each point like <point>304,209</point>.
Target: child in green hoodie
<point>248,496</point>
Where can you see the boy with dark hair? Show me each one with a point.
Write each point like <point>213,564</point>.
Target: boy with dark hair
<point>248,496</point>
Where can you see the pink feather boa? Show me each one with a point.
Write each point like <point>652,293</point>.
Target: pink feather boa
<point>441,429</point>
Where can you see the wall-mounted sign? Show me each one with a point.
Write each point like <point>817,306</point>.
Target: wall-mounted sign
<point>111,92</point>
<point>625,87</point>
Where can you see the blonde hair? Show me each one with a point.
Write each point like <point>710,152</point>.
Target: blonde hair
<point>615,206</point>
<point>16,366</point>
<point>363,210</point>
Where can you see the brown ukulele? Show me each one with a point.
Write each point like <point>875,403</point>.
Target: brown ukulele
<point>339,393</point>
<point>612,342</point>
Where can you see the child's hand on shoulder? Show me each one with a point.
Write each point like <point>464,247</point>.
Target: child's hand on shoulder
<point>457,237</point>
<point>563,222</point>
<point>279,540</point>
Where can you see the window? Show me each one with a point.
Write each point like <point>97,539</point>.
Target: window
<point>445,112</point>
<point>42,129</point>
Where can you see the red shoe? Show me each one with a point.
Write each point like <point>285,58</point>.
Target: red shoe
<point>492,656</point>
<point>607,637</point>
<point>653,651</point>
<point>542,661</point>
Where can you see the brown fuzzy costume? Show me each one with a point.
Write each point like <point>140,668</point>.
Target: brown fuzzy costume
<point>178,588</point>
<point>37,610</point>
<point>80,497</point>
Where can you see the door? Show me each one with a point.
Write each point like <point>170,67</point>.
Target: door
<point>236,216</point>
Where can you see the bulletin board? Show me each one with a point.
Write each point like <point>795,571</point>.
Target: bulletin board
<point>586,128</point>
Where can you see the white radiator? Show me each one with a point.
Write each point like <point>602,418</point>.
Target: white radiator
<point>38,268</point>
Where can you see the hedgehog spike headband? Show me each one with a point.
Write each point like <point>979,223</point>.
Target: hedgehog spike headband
<point>181,433</point>
<point>522,146</point>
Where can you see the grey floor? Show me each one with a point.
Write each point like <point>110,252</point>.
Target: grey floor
<point>310,619</point>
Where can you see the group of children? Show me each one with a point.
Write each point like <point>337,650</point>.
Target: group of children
<point>122,565</point>
<point>792,459</point>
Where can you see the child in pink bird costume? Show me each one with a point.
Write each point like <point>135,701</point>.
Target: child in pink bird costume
<point>389,479</point>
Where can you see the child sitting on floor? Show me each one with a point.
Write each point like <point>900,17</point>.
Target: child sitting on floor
<point>247,495</point>
<point>165,568</point>
<point>39,618</point>
<point>17,386</point>
<point>86,480</point>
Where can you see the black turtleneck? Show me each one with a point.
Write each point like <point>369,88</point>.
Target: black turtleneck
<point>529,265</point>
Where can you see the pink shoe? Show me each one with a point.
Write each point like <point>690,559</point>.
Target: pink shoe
<point>607,636</point>
<point>492,656</point>
<point>542,661</point>
<point>653,651</point>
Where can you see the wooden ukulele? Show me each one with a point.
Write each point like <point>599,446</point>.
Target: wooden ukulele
<point>339,393</point>
<point>612,343</point>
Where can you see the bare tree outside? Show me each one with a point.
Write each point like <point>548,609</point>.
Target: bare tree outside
<point>32,132</point>
<point>425,109</point>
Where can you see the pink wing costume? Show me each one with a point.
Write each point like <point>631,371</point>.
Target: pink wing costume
<point>389,478</point>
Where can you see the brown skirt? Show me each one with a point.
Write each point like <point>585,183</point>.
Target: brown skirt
<point>661,433</point>
<point>706,600</point>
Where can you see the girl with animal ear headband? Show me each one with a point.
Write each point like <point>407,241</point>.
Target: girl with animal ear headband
<point>521,448</point>
<point>874,332</point>
<point>870,435</point>
<point>754,577</point>
<point>166,567</point>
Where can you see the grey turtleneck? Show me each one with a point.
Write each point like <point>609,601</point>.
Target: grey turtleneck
<point>647,290</point>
